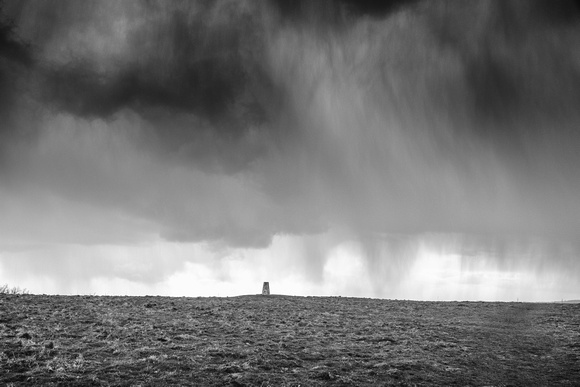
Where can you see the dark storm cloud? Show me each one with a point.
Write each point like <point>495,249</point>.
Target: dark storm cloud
<point>11,47</point>
<point>515,57</point>
<point>184,64</point>
<point>15,59</point>
<point>332,11</point>
<point>194,70</point>
<point>202,72</point>
<point>296,117</point>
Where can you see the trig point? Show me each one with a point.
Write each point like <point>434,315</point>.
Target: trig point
<point>266,289</point>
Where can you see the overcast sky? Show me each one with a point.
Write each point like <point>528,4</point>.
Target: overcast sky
<point>401,149</point>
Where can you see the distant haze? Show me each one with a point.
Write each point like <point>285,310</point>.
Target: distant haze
<point>398,149</point>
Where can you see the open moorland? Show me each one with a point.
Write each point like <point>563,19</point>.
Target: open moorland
<point>284,341</point>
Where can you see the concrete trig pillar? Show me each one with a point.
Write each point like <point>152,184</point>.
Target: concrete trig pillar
<point>266,289</point>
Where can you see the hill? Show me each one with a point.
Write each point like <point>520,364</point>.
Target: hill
<point>284,341</point>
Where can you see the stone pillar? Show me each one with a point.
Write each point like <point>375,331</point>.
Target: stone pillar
<point>266,289</point>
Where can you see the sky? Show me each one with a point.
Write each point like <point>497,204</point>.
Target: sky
<point>400,149</point>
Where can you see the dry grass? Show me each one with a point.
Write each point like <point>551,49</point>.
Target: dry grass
<point>285,341</point>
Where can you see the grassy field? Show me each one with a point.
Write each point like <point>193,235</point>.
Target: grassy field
<point>284,341</point>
